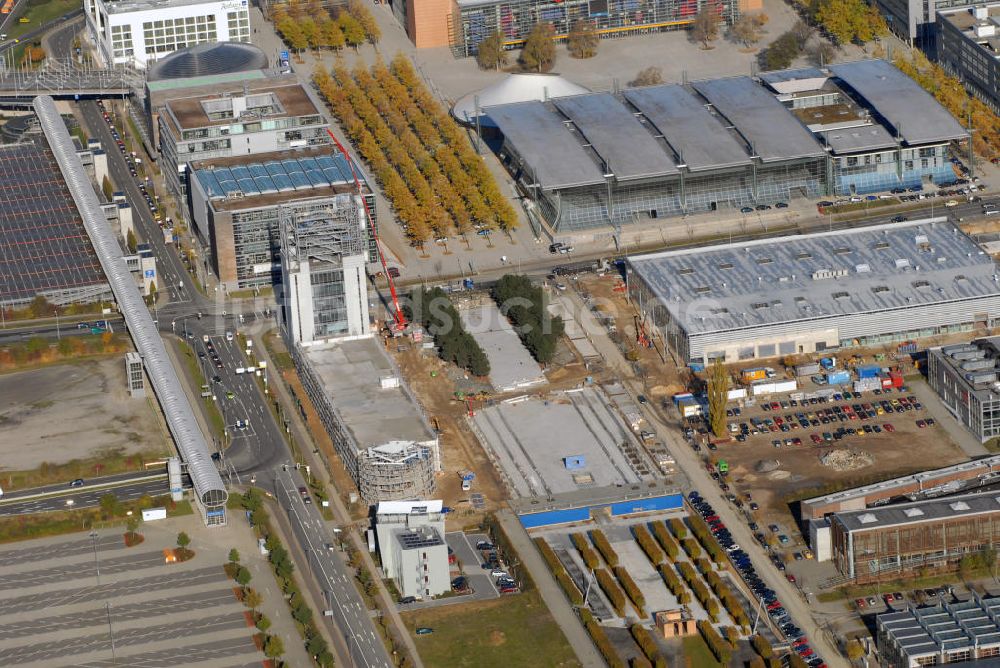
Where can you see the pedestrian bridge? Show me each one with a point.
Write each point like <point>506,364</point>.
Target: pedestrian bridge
<point>63,79</point>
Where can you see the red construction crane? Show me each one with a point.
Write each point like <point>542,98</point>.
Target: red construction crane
<point>399,320</point>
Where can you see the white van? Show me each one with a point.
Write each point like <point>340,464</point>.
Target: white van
<point>229,336</point>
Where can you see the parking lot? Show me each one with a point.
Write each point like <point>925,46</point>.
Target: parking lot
<point>86,601</point>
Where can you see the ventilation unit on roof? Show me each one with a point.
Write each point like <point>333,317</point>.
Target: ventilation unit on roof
<point>822,274</point>
<point>760,305</point>
<point>720,311</point>
<point>803,255</point>
<point>685,271</point>
<point>913,512</point>
<point>764,260</point>
<point>961,278</point>
<point>841,295</point>
<point>882,245</point>
<point>863,268</point>
<point>902,263</point>
<point>725,265</point>
<point>880,289</point>
<point>867,518</point>
<point>959,505</point>
<point>841,251</point>
<point>921,285</point>
<point>921,239</point>
<point>703,289</point>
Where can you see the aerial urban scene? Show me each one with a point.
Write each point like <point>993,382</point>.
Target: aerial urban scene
<point>499,333</point>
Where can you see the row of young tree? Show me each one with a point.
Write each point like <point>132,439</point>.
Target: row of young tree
<point>525,305</point>
<point>313,26</point>
<point>434,310</point>
<point>538,53</point>
<point>950,92</point>
<point>437,184</point>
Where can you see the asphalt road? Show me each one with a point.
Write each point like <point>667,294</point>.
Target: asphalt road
<point>81,497</point>
<point>350,615</point>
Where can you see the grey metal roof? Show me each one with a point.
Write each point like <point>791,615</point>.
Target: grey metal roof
<point>919,511</point>
<point>44,247</point>
<point>945,627</point>
<point>897,98</point>
<point>786,279</point>
<point>176,408</point>
<point>697,136</point>
<point>627,147</point>
<point>557,158</point>
<point>983,352</point>
<point>767,125</point>
<point>861,138</point>
<point>779,76</point>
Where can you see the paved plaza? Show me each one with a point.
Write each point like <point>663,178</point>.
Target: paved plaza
<point>83,601</point>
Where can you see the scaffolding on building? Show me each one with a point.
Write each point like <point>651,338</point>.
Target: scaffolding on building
<point>326,234</point>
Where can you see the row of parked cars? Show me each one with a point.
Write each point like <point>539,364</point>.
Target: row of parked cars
<point>741,561</point>
<point>491,562</point>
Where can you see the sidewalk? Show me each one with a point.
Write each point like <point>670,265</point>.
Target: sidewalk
<point>552,595</point>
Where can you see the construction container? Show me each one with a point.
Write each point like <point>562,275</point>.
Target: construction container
<point>868,384</point>
<point>841,377</point>
<point>978,365</point>
<point>886,382</point>
<point>750,375</point>
<point>737,394</point>
<point>868,371</point>
<point>897,378</point>
<point>981,377</point>
<point>682,396</point>
<point>807,369</point>
<point>907,348</point>
<point>689,408</point>
<point>696,366</point>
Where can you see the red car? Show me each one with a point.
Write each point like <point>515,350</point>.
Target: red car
<point>816,438</point>
<point>888,427</point>
<point>921,424</point>
<point>860,602</point>
<point>774,604</point>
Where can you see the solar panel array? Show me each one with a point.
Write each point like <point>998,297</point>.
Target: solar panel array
<point>274,176</point>
<point>43,244</point>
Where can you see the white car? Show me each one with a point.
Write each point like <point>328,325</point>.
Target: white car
<point>466,485</point>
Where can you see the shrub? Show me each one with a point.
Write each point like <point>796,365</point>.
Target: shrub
<point>674,583</point>
<point>762,646</point>
<point>691,547</point>
<point>677,528</point>
<point>719,647</point>
<point>665,540</point>
<point>732,635</point>
<point>639,661</point>
<point>604,547</point>
<point>632,589</point>
<point>611,590</point>
<point>589,557</point>
<point>604,645</point>
<point>644,639</point>
<point>648,545</point>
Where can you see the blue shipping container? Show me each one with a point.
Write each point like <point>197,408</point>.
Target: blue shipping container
<point>547,518</point>
<point>869,371</point>
<point>669,502</point>
<point>838,377</point>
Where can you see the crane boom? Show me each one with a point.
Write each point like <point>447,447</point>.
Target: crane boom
<point>399,320</point>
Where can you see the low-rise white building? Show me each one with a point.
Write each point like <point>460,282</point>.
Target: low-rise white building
<point>412,548</point>
<point>139,31</point>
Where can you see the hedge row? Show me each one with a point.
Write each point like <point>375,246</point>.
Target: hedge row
<point>604,547</point>
<point>644,639</point>
<point>720,648</point>
<point>796,661</point>
<point>648,545</point>
<point>589,557</point>
<point>674,584</point>
<point>677,528</point>
<point>638,661</point>
<point>559,571</point>
<point>703,565</point>
<point>692,547</point>
<point>704,535</point>
<point>700,590</point>
<point>611,590</point>
<point>732,635</point>
<point>604,645</point>
<point>762,646</point>
<point>665,540</point>
<point>729,600</point>
<point>632,589</point>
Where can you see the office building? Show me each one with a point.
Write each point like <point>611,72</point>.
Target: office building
<point>412,548</point>
<point>465,23</point>
<point>136,32</point>
<point>323,257</point>
<point>968,46</point>
<point>241,118</point>
<point>611,160</point>
<point>816,292</point>
<point>959,632</point>
<point>236,203</point>
<point>375,422</point>
<point>965,377</point>
<point>893,540</point>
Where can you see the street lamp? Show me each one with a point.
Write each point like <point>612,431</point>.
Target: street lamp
<point>97,563</point>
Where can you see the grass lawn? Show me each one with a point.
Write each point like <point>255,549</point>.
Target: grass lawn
<point>510,631</point>
<point>41,12</point>
<point>696,652</point>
